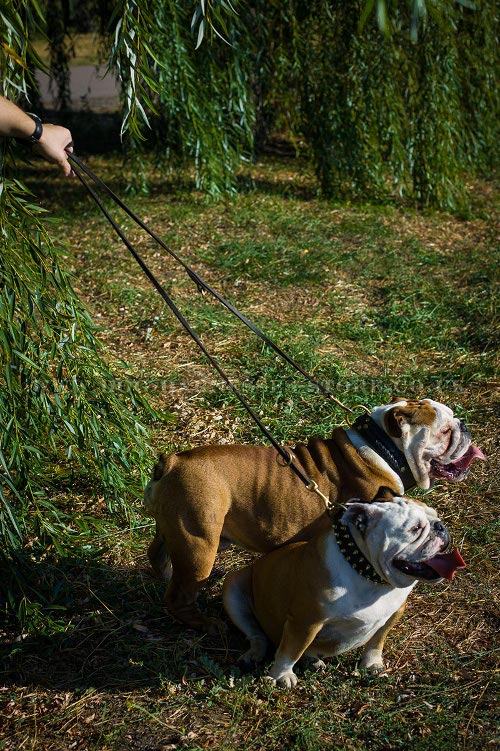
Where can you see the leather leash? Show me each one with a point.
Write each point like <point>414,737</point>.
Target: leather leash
<point>287,456</point>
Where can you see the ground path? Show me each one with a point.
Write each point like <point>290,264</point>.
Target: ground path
<point>90,85</point>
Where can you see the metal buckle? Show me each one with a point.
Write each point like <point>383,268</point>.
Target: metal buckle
<point>285,462</point>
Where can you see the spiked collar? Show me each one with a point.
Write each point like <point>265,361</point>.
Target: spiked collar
<point>353,554</point>
<point>380,442</point>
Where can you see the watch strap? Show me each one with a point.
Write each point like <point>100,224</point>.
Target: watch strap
<point>37,133</point>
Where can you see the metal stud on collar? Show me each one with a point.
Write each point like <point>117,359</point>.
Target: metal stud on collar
<point>353,554</point>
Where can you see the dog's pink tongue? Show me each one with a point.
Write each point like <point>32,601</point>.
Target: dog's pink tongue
<point>446,564</point>
<point>472,453</point>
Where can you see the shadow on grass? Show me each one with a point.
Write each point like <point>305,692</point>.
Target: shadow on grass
<point>283,187</point>
<point>109,630</point>
<point>96,138</point>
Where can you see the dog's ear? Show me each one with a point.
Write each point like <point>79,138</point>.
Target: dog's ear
<point>361,515</point>
<point>415,412</point>
<point>396,417</point>
<point>384,494</point>
<point>393,420</point>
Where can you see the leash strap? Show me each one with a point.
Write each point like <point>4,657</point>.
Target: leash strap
<point>286,455</point>
<point>203,285</point>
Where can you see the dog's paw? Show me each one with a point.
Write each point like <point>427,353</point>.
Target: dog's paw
<point>256,653</point>
<point>371,671</point>
<point>371,662</point>
<point>248,661</point>
<point>376,670</point>
<point>287,680</point>
<point>316,664</point>
<point>313,662</point>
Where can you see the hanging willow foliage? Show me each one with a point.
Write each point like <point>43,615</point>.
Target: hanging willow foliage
<point>195,101</point>
<point>393,111</point>
<point>386,97</point>
<point>66,416</point>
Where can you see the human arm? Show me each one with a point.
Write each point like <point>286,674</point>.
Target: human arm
<point>53,141</point>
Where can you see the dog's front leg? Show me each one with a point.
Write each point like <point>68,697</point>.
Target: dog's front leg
<point>371,659</point>
<point>297,637</point>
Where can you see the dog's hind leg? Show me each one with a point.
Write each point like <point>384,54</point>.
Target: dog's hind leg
<point>237,599</point>
<point>189,573</point>
<point>159,557</point>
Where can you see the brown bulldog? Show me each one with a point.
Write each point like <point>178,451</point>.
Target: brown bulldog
<point>209,497</point>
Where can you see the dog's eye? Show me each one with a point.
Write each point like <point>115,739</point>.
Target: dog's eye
<point>417,530</point>
<point>446,431</point>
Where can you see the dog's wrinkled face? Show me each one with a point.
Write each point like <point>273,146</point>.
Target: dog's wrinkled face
<point>403,540</point>
<point>435,443</point>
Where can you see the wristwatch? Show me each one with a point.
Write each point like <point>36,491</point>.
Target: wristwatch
<point>37,133</point>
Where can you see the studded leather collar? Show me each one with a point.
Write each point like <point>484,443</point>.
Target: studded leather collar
<point>380,442</point>
<point>353,554</point>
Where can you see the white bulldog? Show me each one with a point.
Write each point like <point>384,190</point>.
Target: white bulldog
<point>345,588</point>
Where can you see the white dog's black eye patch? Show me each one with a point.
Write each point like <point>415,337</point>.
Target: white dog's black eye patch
<point>361,522</point>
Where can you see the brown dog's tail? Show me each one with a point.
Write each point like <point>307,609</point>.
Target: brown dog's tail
<point>161,467</point>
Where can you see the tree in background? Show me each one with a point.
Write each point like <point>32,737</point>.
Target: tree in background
<point>400,101</point>
<point>384,97</point>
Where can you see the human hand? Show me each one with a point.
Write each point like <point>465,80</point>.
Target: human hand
<point>54,144</point>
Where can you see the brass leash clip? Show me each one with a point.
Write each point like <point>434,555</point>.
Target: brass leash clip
<point>330,507</point>
<point>313,487</point>
<point>350,419</point>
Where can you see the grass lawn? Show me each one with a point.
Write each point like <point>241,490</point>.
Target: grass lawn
<point>84,49</point>
<point>375,301</point>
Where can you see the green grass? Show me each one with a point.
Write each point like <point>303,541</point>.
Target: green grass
<point>374,301</point>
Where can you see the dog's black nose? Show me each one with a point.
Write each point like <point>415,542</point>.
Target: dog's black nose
<point>440,531</point>
<point>463,428</point>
